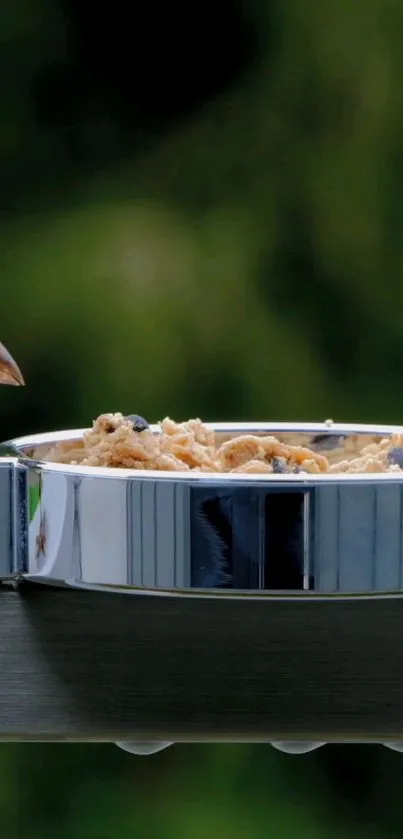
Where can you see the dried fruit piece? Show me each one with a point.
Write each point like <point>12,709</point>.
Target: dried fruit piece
<point>139,423</point>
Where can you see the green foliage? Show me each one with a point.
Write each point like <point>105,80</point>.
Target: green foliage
<point>229,791</point>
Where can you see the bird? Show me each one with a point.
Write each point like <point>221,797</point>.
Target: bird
<point>10,373</point>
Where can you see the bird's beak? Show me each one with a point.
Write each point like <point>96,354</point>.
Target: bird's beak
<point>10,374</point>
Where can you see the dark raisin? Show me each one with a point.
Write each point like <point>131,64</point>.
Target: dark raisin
<point>279,465</point>
<point>139,423</point>
<point>327,441</point>
<point>396,456</point>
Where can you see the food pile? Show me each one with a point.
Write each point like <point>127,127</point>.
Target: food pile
<point>128,442</point>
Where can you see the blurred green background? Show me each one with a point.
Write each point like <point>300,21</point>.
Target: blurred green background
<point>201,215</point>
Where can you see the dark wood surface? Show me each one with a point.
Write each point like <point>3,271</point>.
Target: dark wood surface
<point>82,665</point>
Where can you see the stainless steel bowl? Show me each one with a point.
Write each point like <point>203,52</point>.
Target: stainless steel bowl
<point>221,534</point>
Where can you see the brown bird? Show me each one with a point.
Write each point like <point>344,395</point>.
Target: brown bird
<point>10,373</point>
